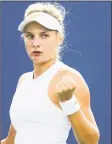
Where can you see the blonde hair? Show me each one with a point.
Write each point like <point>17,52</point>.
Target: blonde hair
<point>52,8</point>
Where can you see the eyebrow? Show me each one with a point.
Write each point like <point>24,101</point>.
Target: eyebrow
<point>45,31</point>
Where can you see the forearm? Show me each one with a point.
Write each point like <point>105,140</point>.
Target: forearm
<point>85,132</point>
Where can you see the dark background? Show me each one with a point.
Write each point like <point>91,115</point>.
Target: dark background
<point>89,45</point>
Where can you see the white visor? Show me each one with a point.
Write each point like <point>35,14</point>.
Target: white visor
<point>42,18</point>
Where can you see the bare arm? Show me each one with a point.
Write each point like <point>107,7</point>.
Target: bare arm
<point>11,135</point>
<point>83,122</point>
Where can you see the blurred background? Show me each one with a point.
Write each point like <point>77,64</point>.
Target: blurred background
<point>88,50</point>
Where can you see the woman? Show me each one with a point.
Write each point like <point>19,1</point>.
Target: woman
<point>54,97</point>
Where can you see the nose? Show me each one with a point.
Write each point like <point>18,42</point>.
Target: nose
<point>36,42</point>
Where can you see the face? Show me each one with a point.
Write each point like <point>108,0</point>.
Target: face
<point>41,44</point>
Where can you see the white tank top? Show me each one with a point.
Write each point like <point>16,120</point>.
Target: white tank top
<point>35,118</point>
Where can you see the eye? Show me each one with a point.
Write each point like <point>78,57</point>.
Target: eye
<point>29,36</point>
<point>44,36</point>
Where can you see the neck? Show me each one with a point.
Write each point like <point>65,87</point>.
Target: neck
<point>42,67</point>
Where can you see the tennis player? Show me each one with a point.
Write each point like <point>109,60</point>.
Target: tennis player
<point>53,98</point>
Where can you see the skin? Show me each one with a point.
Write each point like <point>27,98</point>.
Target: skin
<point>37,37</point>
<point>63,86</point>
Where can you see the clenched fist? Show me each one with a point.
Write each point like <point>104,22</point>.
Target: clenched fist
<point>65,88</point>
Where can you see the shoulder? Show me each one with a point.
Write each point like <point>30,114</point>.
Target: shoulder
<point>82,91</point>
<point>23,77</point>
<point>75,75</point>
<point>70,71</point>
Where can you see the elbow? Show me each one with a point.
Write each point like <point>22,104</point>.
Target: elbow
<point>97,136</point>
<point>94,137</point>
<point>90,138</point>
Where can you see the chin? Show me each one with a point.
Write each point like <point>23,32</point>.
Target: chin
<point>41,61</point>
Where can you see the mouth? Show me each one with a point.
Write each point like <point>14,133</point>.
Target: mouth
<point>36,53</point>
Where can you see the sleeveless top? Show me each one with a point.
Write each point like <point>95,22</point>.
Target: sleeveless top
<point>34,116</point>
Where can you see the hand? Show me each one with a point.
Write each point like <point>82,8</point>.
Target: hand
<point>3,141</point>
<point>65,88</point>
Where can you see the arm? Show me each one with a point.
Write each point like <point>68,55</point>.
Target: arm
<point>84,130</point>
<point>11,135</point>
<point>83,122</point>
<point>4,141</point>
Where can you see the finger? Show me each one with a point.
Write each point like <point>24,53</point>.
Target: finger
<point>68,85</point>
<point>61,87</point>
<point>68,79</point>
<point>69,82</point>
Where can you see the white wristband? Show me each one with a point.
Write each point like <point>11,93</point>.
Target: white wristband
<point>70,106</point>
